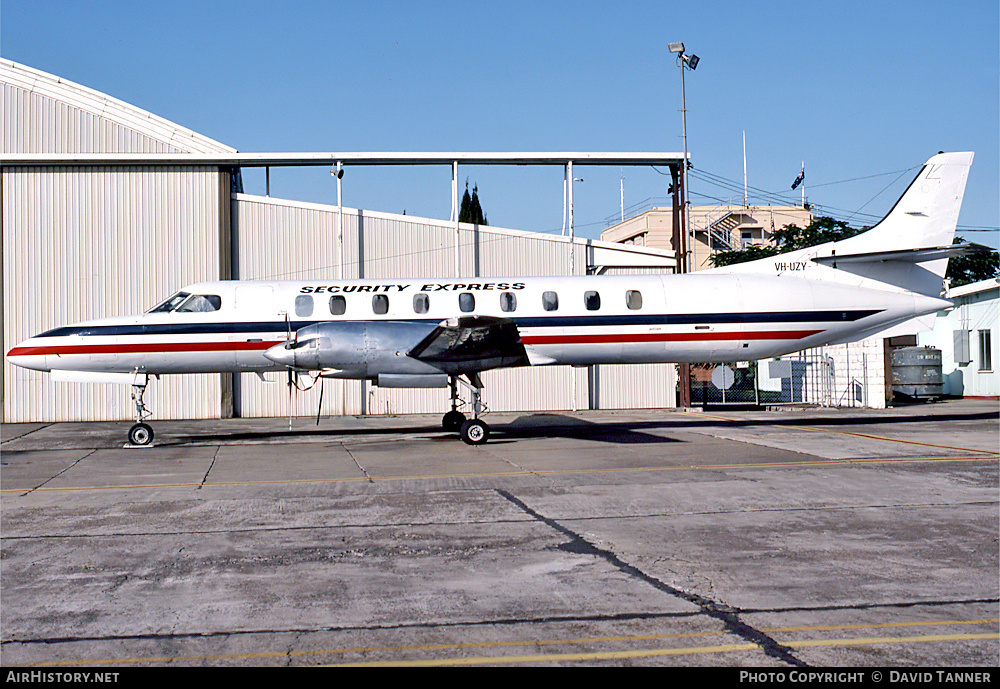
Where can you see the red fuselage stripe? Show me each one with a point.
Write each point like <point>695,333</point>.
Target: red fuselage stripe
<point>667,337</point>
<point>585,338</point>
<point>144,348</point>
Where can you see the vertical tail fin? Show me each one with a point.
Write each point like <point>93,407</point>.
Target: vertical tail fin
<point>907,250</point>
<point>925,215</point>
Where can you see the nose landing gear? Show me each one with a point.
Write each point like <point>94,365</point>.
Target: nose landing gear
<point>141,434</point>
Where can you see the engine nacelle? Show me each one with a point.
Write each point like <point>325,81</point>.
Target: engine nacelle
<point>354,349</point>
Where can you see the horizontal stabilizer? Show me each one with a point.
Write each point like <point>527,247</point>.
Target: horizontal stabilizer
<point>904,256</point>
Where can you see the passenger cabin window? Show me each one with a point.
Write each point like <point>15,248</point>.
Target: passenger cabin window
<point>633,299</point>
<point>592,300</point>
<point>467,302</point>
<point>421,303</point>
<point>380,304</point>
<point>338,305</point>
<point>508,302</point>
<point>550,301</point>
<point>304,305</point>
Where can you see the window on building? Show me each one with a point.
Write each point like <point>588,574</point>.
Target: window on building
<point>508,301</point>
<point>633,299</point>
<point>338,305</point>
<point>985,351</point>
<point>467,302</point>
<point>421,303</point>
<point>380,304</point>
<point>304,305</point>
<point>550,301</point>
<point>592,300</point>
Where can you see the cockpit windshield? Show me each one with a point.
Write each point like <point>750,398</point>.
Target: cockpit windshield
<point>200,303</point>
<point>185,302</point>
<point>171,303</point>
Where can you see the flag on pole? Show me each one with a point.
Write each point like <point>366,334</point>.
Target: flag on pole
<point>798,180</point>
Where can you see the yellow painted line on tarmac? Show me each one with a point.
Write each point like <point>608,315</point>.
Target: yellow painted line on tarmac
<point>630,638</point>
<point>527,472</point>
<point>854,434</point>
<point>883,625</point>
<point>661,652</point>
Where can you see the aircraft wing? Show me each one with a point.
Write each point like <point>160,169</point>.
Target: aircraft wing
<point>472,343</point>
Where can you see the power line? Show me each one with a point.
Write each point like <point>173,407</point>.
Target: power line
<point>836,213</point>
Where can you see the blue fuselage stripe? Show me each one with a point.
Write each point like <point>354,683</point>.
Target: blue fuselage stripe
<point>531,322</point>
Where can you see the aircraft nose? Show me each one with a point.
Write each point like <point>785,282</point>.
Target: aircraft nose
<point>29,354</point>
<point>280,354</point>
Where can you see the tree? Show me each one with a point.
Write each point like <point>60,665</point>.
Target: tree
<point>470,211</point>
<point>963,270</point>
<point>788,238</point>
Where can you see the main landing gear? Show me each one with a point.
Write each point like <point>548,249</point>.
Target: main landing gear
<point>141,434</point>
<point>473,431</point>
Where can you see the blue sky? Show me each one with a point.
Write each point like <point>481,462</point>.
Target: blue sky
<point>862,92</point>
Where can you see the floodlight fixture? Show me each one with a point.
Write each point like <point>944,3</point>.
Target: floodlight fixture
<point>676,47</point>
<point>691,60</point>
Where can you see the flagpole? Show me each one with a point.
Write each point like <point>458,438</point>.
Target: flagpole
<point>745,168</point>
<point>803,184</point>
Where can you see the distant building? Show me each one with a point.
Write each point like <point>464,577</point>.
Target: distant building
<point>716,228</point>
<point>967,338</point>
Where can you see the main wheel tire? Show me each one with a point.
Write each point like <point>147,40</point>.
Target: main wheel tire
<point>453,420</point>
<point>475,432</point>
<point>140,434</point>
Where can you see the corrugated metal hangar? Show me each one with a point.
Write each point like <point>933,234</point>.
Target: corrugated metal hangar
<point>107,209</point>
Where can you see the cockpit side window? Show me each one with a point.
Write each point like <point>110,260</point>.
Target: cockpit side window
<point>201,303</point>
<point>171,303</point>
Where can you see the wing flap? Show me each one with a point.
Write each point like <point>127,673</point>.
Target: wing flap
<point>472,343</point>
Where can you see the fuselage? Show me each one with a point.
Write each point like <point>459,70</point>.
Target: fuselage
<point>230,325</point>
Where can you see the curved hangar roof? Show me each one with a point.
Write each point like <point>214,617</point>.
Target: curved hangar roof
<point>43,113</point>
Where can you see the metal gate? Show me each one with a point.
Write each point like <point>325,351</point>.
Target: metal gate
<point>729,384</point>
<point>802,378</point>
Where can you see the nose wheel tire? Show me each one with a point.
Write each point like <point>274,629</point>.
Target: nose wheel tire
<point>140,434</point>
<point>453,420</point>
<point>475,432</point>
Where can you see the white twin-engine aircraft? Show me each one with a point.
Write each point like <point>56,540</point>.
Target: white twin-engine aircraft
<point>432,332</point>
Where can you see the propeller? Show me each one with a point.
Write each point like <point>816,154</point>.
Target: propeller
<point>319,407</point>
<point>291,383</point>
<point>290,341</point>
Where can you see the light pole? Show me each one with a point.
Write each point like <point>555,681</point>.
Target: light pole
<point>691,62</point>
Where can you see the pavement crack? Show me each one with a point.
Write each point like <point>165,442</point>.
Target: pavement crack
<point>57,474</point>
<point>211,466</point>
<point>729,616</point>
<point>12,438</point>
<point>358,464</point>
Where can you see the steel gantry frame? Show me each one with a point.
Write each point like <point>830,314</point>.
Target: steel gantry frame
<point>338,161</point>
